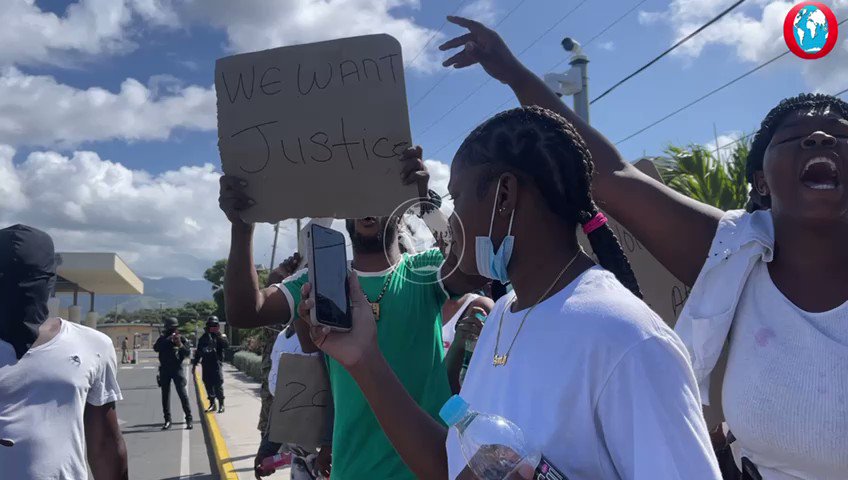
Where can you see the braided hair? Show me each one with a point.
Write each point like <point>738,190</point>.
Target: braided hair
<point>545,147</point>
<point>806,102</point>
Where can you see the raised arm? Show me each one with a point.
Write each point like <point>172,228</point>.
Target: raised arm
<point>675,229</point>
<point>247,304</point>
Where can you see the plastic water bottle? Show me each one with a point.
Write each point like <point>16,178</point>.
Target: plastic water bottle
<point>470,344</point>
<point>493,446</point>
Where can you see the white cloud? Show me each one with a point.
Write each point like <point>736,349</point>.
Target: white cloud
<point>163,225</point>
<point>754,35</point>
<point>608,46</point>
<point>87,28</point>
<point>727,143</point>
<point>260,24</point>
<point>37,110</point>
<point>481,10</point>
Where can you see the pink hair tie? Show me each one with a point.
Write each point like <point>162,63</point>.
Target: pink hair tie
<point>595,223</point>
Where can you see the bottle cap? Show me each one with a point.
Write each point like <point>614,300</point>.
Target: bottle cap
<point>454,410</point>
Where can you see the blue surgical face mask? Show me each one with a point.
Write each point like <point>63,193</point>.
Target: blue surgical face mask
<point>491,264</point>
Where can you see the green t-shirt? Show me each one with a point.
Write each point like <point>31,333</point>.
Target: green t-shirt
<point>409,333</point>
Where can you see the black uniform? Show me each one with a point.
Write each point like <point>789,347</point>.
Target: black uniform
<point>171,359</point>
<point>210,354</point>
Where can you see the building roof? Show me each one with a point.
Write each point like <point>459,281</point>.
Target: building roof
<point>101,273</point>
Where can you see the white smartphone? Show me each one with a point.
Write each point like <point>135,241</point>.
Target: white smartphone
<point>326,256</point>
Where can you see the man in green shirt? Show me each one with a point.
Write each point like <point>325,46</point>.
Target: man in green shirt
<point>408,291</point>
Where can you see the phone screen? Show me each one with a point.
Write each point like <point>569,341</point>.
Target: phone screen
<point>329,264</point>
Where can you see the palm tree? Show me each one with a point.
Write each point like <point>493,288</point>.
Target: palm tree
<point>696,172</point>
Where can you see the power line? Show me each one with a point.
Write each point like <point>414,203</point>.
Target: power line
<point>555,66</point>
<point>556,24</point>
<point>438,30</point>
<point>605,30</point>
<point>704,96</point>
<point>710,93</point>
<point>745,137</point>
<point>614,23</point>
<point>670,49</point>
<point>509,13</point>
<point>447,72</point>
<point>486,82</point>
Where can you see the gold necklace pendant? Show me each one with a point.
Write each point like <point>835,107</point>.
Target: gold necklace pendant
<point>375,308</point>
<point>500,360</point>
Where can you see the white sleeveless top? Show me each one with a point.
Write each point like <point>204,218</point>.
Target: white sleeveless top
<point>449,329</point>
<point>785,394</point>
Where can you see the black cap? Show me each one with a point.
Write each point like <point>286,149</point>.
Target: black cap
<point>212,321</point>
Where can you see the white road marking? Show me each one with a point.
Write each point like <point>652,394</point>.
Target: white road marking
<point>126,368</point>
<point>148,368</point>
<point>185,469</point>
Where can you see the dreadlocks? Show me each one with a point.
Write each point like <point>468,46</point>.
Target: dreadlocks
<point>544,146</point>
<point>806,102</point>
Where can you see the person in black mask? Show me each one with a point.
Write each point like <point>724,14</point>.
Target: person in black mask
<point>210,354</point>
<point>53,369</point>
<point>173,350</point>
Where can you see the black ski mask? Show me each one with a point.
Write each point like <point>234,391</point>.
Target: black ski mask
<point>27,279</point>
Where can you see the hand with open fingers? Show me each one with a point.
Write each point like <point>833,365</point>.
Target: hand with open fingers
<point>484,46</point>
<point>414,171</point>
<point>469,326</point>
<point>347,348</point>
<point>232,198</point>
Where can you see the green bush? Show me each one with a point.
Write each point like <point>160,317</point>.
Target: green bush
<point>249,363</point>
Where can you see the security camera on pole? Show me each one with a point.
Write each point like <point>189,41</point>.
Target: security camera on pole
<point>575,81</point>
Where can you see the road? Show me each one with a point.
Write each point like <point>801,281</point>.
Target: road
<point>154,454</point>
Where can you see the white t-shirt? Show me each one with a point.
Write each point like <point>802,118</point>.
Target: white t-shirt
<point>598,384</point>
<point>282,345</point>
<point>785,392</point>
<point>43,397</point>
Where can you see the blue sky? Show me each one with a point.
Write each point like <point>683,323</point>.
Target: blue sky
<point>137,161</point>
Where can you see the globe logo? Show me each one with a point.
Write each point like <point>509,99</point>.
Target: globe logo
<point>810,30</point>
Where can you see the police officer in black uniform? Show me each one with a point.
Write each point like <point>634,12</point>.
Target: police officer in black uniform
<point>173,349</point>
<point>210,354</point>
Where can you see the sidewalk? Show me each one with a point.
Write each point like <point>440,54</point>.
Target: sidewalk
<point>238,425</point>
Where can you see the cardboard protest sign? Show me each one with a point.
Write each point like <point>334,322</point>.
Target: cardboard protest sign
<point>662,291</point>
<point>316,130</point>
<point>302,401</point>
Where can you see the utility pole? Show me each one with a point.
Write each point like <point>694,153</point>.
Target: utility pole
<point>575,81</point>
<point>274,248</point>
<point>718,147</point>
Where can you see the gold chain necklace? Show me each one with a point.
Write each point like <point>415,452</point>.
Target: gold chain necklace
<point>500,360</point>
<point>375,305</point>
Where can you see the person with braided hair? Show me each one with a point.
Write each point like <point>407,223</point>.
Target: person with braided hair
<point>598,383</point>
<point>770,282</point>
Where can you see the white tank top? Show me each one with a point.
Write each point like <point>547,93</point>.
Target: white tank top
<point>449,329</point>
<point>785,392</point>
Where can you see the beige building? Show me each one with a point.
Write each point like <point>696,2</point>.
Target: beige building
<point>139,335</point>
<point>91,273</point>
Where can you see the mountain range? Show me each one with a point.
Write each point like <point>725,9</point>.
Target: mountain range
<point>167,292</point>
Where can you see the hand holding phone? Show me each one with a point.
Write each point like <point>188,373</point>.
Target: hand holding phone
<point>326,255</point>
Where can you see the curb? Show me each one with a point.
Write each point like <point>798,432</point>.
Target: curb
<point>219,446</point>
